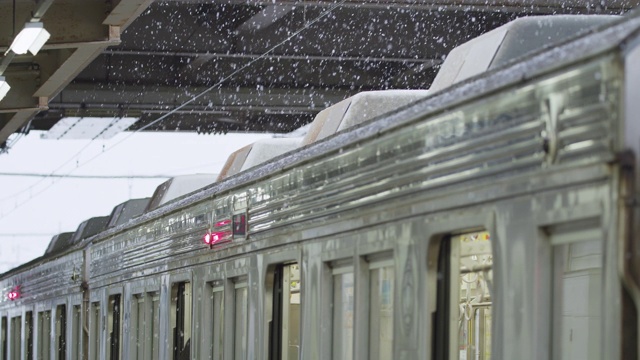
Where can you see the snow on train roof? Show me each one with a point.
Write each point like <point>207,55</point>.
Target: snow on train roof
<point>179,186</point>
<point>127,211</point>
<point>573,50</point>
<point>59,242</point>
<point>88,228</point>
<point>358,109</point>
<point>510,41</point>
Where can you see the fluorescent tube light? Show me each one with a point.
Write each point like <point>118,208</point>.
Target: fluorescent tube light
<point>4,87</point>
<point>31,38</point>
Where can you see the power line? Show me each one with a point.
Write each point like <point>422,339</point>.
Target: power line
<point>25,234</point>
<point>212,87</point>
<point>69,176</point>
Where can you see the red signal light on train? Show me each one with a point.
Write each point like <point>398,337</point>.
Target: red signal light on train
<point>14,294</point>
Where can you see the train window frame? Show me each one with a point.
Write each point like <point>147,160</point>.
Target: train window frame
<point>234,284</point>
<point>59,328</point>
<point>29,332</point>
<point>77,327</point>
<point>95,329</point>
<point>133,338</point>
<point>211,336</point>
<point>557,236</point>
<point>109,327</point>
<point>171,313</point>
<point>15,347</point>
<point>269,263</point>
<point>4,337</point>
<point>43,333</point>
<point>368,262</point>
<point>339,267</point>
<point>434,236</point>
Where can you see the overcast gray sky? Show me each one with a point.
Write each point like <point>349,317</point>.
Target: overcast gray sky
<point>33,209</point>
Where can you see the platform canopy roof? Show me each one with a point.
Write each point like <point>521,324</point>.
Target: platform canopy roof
<point>233,65</point>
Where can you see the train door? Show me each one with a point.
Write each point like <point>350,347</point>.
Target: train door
<point>342,309</point>
<point>214,313</point>
<point>3,338</point>
<point>462,321</point>
<point>94,331</point>
<point>16,337</point>
<point>576,290</point>
<point>28,324</point>
<point>76,333</point>
<point>114,327</point>
<point>44,335</point>
<point>284,325</point>
<point>61,332</point>
<point>181,316</point>
<point>240,317</point>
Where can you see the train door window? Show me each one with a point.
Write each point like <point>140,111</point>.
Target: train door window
<point>284,329</point>
<point>3,337</point>
<point>114,327</point>
<point>342,307</point>
<point>152,334</point>
<point>94,332</point>
<point>137,328</point>
<point>181,302</point>
<point>241,301</point>
<point>462,326</point>
<point>44,335</point>
<point>381,280</point>
<point>76,332</point>
<point>61,332</point>
<point>16,337</point>
<point>577,292</point>
<point>28,327</point>
<point>214,338</point>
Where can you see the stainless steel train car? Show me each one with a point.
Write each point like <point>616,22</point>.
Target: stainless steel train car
<point>496,218</point>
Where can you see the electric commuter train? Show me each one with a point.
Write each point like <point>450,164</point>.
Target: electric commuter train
<point>494,216</point>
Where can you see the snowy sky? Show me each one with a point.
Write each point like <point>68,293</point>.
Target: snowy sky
<point>33,209</point>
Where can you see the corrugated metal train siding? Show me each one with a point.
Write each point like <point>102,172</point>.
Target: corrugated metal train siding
<point>491,138</point>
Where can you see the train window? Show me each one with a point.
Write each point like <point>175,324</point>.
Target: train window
<point>181,302</point>
<point>381,307</point>
<point>152,337</point>
<point>284,326</point>
<point>61,332</point>
<point>462,326</point>
<point>145,325</point>
<point>44,335</point>
<point>28,324</point>
<point>577,292</point>
<point>76,333</point>
<point>342,307</point>
<point>16,337</point>
<point>94,331</point>
<point>3,337</point>
<point>137,328</point>
<point>114,327</point>
<point>241,301</point>
<point>214,339</point>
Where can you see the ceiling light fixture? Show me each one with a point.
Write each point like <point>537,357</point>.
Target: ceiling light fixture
<point>4,87</point>
<point>31,38</point>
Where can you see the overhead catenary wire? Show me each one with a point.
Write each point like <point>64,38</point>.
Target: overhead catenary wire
<point>70,176</point>
<point>169,113</point>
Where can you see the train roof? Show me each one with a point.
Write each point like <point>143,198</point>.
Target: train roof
<point>126,211</point>
<point>614,34</point>
<point>178,186</point>
<point>511,41</point>
<point>586,45</point>
<point>89,228</point>
<point>59,242</point>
